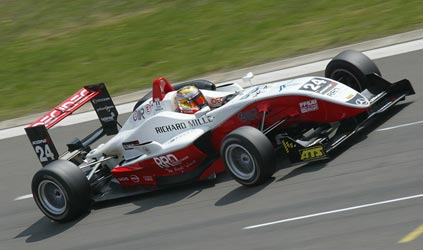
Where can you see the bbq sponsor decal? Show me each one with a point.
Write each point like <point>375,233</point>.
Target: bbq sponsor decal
<point>312,153</point>
<point>319,85</point>
<point>184,125</point>
<point>309,106</point>
<point>248,115</point>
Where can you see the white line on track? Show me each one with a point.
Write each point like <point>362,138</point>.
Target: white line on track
<point>400,126</point>
<point>333,211</point>
<point>23,197</point>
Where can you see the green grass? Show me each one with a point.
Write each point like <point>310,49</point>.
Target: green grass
<point>51,48</point>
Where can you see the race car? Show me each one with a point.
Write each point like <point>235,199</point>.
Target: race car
<point>195,130</point>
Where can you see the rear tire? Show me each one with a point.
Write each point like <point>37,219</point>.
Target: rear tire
<point>351,68</point>
<point>61,191</point>
<point>248,156</point>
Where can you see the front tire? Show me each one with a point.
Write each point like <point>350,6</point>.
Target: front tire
<point>351,68</point>
<point>248,156</point>
<point>61,191</point>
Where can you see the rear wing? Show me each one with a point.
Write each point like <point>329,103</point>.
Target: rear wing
<point>103,105</point>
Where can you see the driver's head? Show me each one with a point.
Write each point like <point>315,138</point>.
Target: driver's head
<point>190,100</point>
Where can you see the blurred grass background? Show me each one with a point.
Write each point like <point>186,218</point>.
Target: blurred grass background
<point>49,48</point>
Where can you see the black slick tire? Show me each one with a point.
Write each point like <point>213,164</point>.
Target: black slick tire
<point>61,191</point>
<point>248,156</point>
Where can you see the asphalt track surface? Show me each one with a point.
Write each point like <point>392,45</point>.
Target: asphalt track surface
<point>368,197</point>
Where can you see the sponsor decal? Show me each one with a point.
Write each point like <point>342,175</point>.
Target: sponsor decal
<point>308,106</point>
<point>361,101</point>
<point>169,161</point>
<point>123,179</point>
<point>288,146</point>
<point>138,115</point>
<point>333,92</point>
<point>312,153</point>
<point>216,101</point>
<point>348,97</point>
<point>170,128</point>
<point>282,87</point>
<point>146,149</point>
<point>135,178</point>
<point>358,100</point>
<point>158,105</point>
<point>130,145</point>
<point>250,93</point>
<point>107,108</point>
<point>110,118</point>
<point>148,108</point>
<point>148,178</point>
<point>42,141</point>
<point>98,100</point>
<point>201,121</point>
<point>248,115</point>
<point>179,136</point>
<point>254,92</point>
<point>184,125</point>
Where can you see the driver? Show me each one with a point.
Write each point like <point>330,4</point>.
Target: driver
<point>190,100</point>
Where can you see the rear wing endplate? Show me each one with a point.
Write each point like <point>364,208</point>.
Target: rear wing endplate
<point>103,105</point>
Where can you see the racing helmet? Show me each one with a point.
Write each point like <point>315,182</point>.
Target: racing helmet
<point>190,99</point>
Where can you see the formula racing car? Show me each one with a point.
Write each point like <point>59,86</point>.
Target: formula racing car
<point>195,130</point>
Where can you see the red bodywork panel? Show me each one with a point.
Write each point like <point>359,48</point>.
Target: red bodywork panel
<point>170,164</point>
<point>297,108</point>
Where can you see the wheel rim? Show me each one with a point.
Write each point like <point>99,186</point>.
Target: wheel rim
<point>346,78</point>
<point>52,197</point>
<point>240,162</point>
